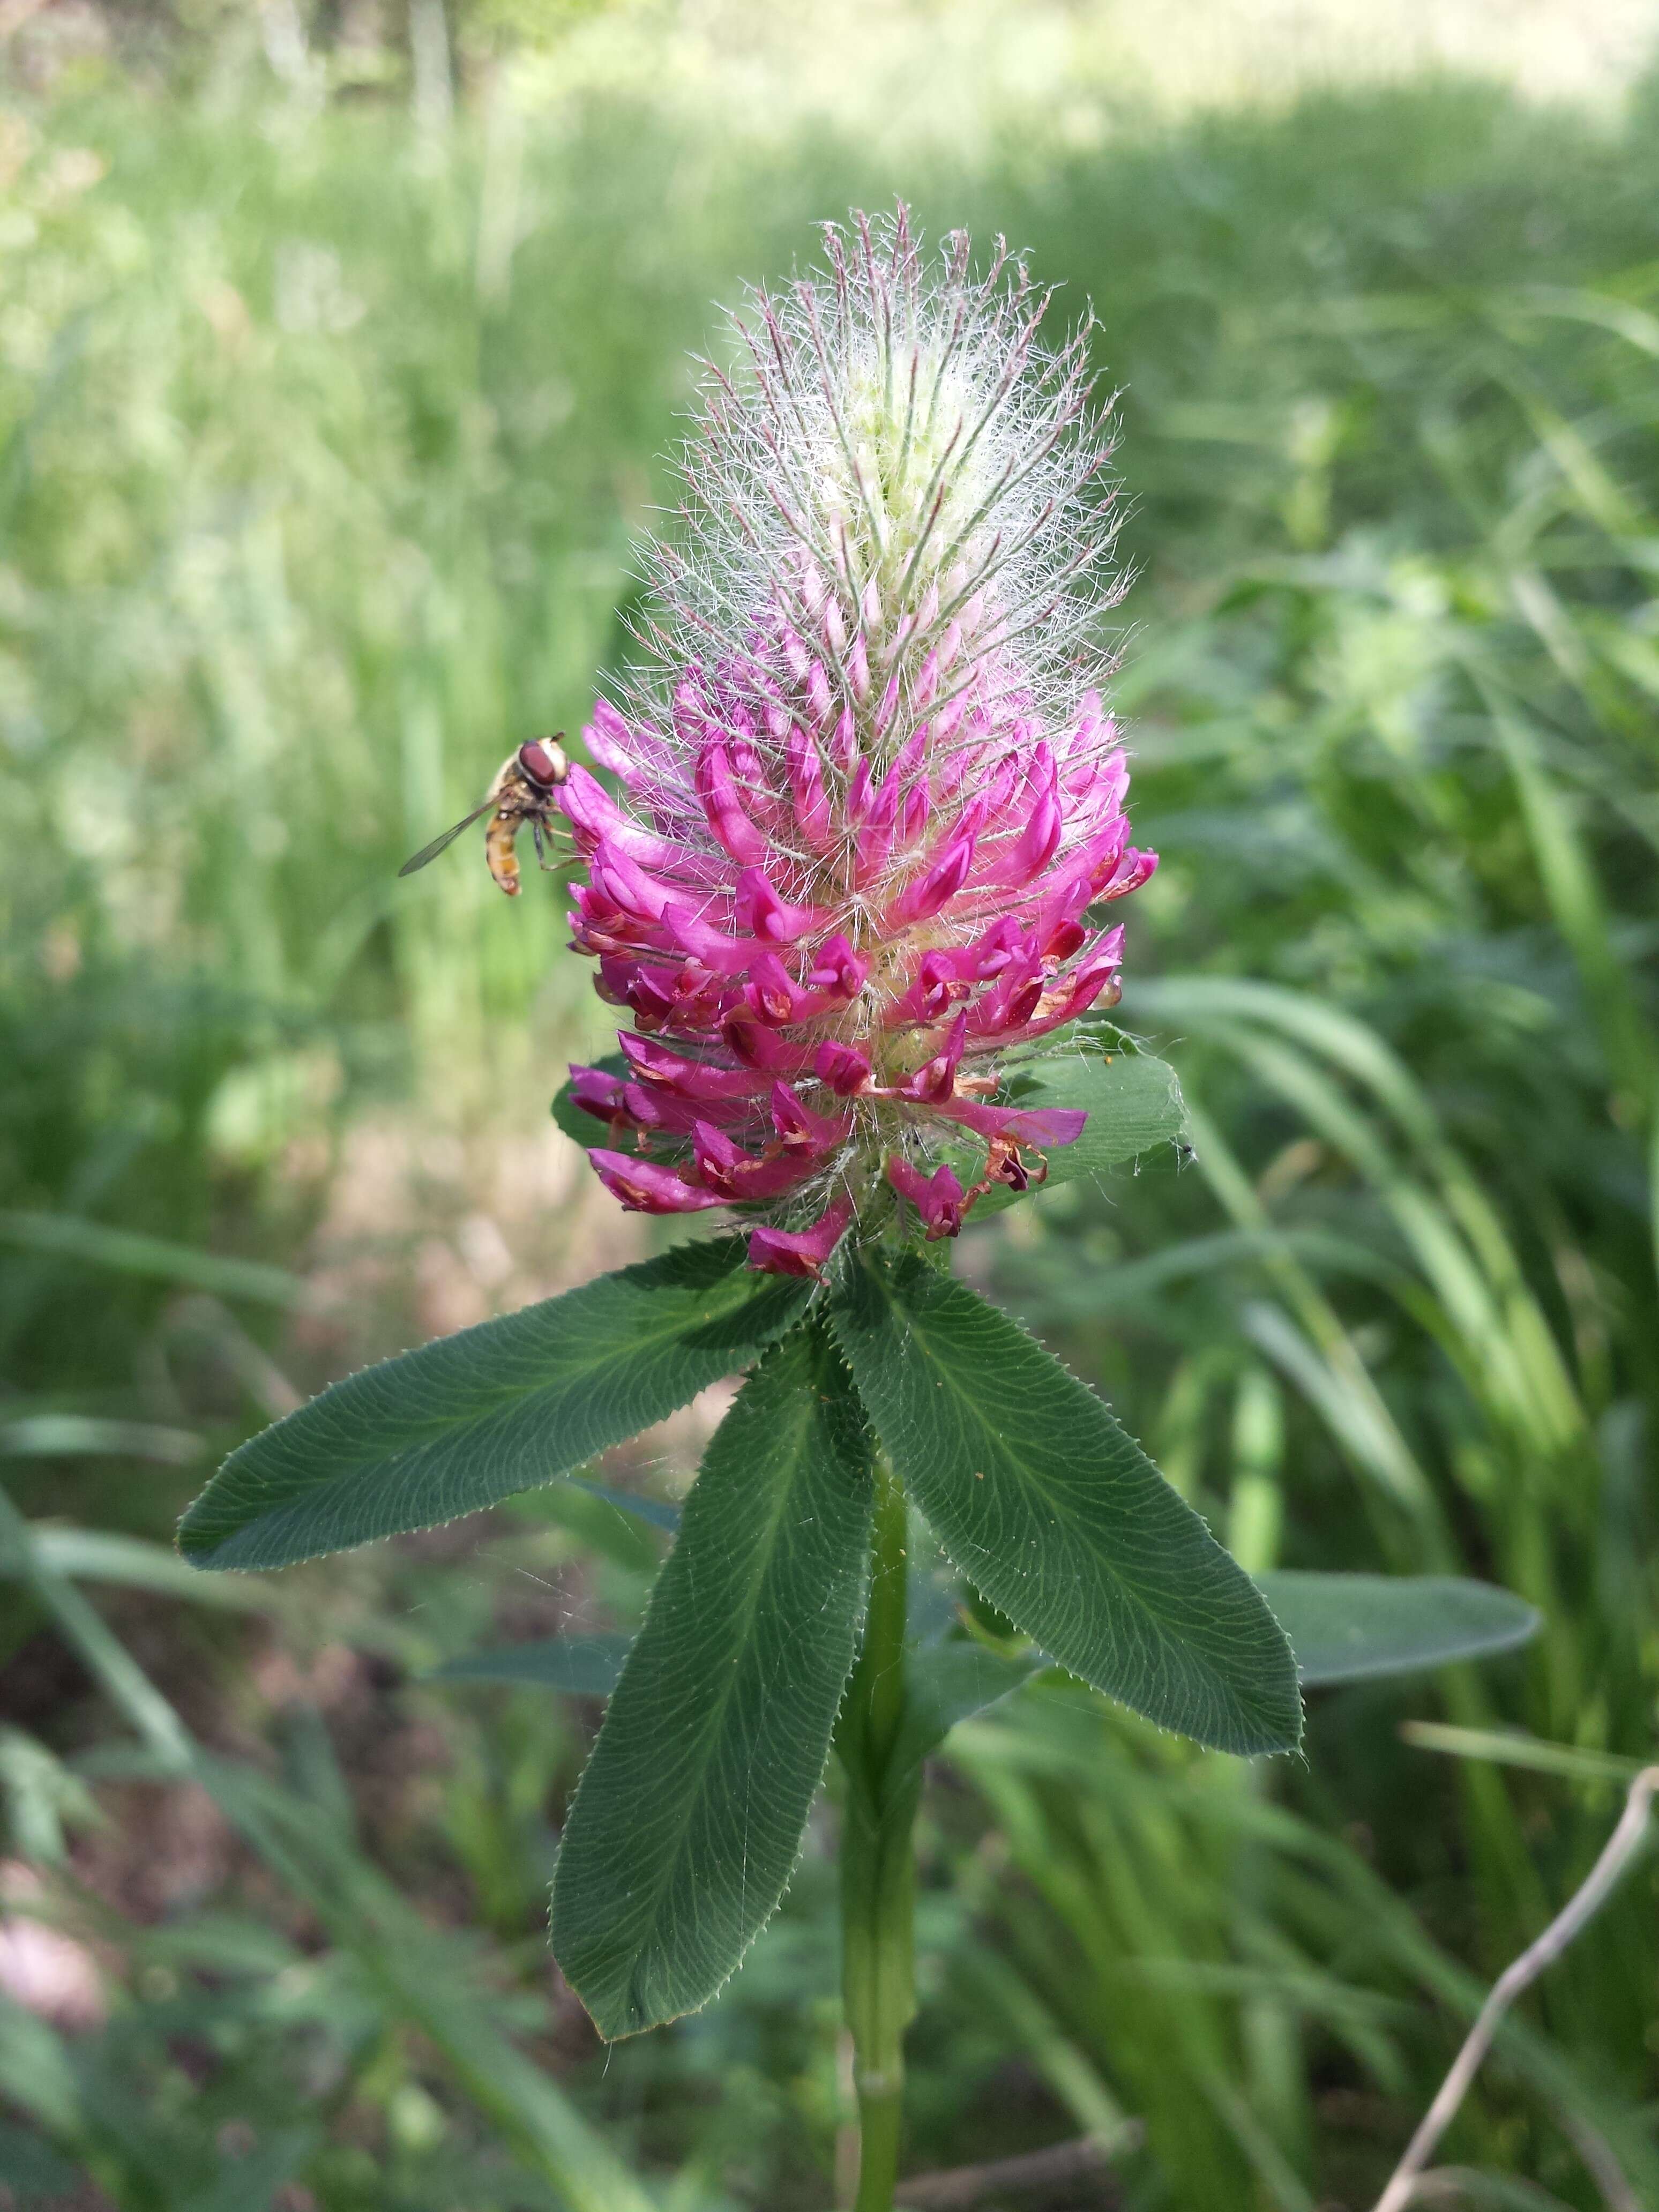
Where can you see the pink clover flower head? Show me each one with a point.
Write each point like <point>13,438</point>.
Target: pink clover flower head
<point>871,817</point>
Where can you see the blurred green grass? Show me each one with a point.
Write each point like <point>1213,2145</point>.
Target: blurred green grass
<point>323,442</point>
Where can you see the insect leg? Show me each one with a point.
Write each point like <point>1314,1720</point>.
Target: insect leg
<point>545,835</point>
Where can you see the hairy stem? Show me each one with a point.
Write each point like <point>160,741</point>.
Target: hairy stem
<point>878,1869</point>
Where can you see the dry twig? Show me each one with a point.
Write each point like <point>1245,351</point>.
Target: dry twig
<point>1626,1840</point>
<point>962,2187</point>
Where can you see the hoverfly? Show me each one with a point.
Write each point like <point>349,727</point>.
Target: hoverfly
<point>522,792</point>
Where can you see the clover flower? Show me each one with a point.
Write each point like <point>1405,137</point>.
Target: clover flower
<point>871,805</point>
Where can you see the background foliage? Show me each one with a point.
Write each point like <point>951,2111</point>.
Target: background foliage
<point>333,391</point>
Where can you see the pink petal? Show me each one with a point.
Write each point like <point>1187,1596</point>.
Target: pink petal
<point>890,699</point>
<point>688,998</point>
<point>740,1175</point>
<point>1131,871</point>
<point>773,995</point>
<point>876,822</point>
<point>938,1198</point>
<point>795,653</point>
<point>842,1066</point>
<point>650,1107</point>
<point>643,1187</point>
<point>602,825</point>
<point>938,1078</point>
<point>626,884</point>
<point>803,1131</point>
<point>690,1079</point>
<point>717,949</point>
<point>805,773</point>
<point>598,1093</point>
<point>1011,998</point>
<point>940,882</point>
<point>1073,995</point>
<point>641,989</point>
<point>772,992</point>
<point>800,1252</point>
<point>939,982</point>
<point>737,833</point>
<point>757,1046</point>
<point>856,804</point>
<point>761,913</point>
<point>631,754</point>
<point>992,953</point>
<point>1036,845</point>
<point>835,967</point>
<point>844,743</point>
<point>1042,1125</point>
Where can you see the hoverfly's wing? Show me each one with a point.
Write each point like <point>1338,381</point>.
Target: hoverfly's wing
<point>442,844</point>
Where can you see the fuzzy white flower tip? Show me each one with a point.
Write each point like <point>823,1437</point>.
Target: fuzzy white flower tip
<point>872,805</point>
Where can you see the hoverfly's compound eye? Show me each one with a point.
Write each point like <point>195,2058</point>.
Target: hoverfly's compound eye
<point>543,762</point>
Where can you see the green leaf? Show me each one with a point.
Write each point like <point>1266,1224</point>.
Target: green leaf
<point>473,1418</point>
<point>1047,1505</point>
<point>101,1555</point>
<point>949,1682</point>
<point>1134,1103</point>
<point>615,1524</point>
<point>586,1129</point>
<point>66,1237</point>
<point>81,1436</point>
<point>33,2169</point>
<point>655,1512</point>
<point>1509,1747</point>
<point>576,1666</point>
<point>1344,1627</point>
<point>686,1826</point>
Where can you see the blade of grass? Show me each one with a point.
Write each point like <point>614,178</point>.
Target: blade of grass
<point>363,1914</point>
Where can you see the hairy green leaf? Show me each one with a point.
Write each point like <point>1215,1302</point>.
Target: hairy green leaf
<point>615,1523</point>
<point>655,1512</point>
<point>470,1419</point>
<point>1343,1627</point>
<point>576,1666</point>
<point>949,1682</point>
<point>1045,1503</point>
<point>1134,1103</point>
<point>686,1826</point>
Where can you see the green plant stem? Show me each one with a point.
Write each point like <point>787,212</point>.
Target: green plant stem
<point>878,1872</point>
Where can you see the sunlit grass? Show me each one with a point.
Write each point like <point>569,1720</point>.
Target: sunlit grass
<point>322,446</point>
